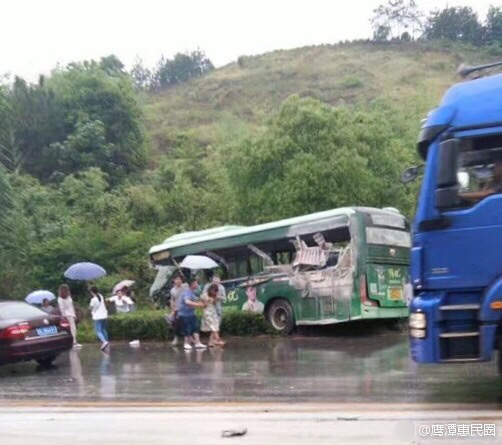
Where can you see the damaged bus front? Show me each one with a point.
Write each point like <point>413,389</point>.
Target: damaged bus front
<point>329,267</point>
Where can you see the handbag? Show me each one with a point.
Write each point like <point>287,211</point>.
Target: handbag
<point>172,321</point>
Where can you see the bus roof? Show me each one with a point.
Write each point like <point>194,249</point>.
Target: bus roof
<point>231,236</point>
<point>200,233</point>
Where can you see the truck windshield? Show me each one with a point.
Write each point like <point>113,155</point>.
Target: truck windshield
<point>479,175</point>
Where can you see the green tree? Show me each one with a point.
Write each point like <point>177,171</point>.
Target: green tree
<point>314,157</point>
<point>36,121</point>
<point>82,116</point>
<point>493,25</point>
<point>181,68</point>
<point>456,23</point>
<point>141,76</point>
<point>103,119</point>
<point>112,65</point>
<point>395,19</point>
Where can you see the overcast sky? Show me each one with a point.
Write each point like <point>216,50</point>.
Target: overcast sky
<point>35,35</point>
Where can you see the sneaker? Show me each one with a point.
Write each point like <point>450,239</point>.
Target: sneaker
<point>175,341</point>
<point>200,346</point>
<point>187,347</point>
<point>104,345</point>
<point>77,346</point>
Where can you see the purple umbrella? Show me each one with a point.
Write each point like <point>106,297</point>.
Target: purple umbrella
<point>84,272</point>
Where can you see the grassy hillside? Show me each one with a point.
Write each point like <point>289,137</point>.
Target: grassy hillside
<point>239,96</point>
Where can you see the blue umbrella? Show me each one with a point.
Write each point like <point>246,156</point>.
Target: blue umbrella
<point>36,297</point>
<point>84,272</point>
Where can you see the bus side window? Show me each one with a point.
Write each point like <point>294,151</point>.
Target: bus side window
<point>231,269</point>
<point>242,267</point>
<point>255,264</point>
<point>283,257</point>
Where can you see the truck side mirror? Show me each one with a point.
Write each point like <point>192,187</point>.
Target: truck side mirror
<point>446,179</point>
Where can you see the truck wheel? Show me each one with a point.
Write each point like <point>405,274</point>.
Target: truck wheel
<point>281,316</point>
<point>46,361</point>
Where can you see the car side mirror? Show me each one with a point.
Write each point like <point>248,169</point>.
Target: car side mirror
<point>410,174</point>
<point>446,177</point>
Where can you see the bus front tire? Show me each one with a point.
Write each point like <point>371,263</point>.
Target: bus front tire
<point>281,316</point>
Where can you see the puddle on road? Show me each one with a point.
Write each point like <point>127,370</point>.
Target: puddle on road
<point>343,369</point>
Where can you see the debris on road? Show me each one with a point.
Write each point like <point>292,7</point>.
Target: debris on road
<point>234,433</point>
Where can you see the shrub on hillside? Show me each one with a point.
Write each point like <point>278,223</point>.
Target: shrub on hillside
<point>351,82</point>
<point>241,61</point>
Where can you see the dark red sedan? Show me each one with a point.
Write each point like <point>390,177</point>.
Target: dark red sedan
<point>27,333</point>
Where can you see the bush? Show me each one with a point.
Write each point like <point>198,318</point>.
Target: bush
<point>151,326</point>
<point>240,323</point>
<point>351,82</point>
<point>85,332</point>
<point>242,61</point>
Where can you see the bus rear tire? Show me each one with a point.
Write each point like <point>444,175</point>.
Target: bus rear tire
<point>281,317</point>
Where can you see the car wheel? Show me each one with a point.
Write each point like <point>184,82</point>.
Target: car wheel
<point>281,316</point>
<point>46,361</point>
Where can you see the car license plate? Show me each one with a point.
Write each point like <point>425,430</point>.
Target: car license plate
<point>396,293</point>
<point>47,330</point>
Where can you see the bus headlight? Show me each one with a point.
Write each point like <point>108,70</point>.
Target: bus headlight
<point>417,320</point>
<point>417,333</point>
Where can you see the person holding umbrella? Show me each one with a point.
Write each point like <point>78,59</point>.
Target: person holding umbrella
<point>123,303</point>
<point>67,309</point>
<point>186,311</point>
<point>99,316</point>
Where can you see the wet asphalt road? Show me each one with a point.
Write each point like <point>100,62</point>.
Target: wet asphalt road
<point>340,369</point>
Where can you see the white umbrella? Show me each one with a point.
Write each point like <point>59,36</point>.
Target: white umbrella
<point>38,296</point>
<point>122,284</point>
<point>196,262</point>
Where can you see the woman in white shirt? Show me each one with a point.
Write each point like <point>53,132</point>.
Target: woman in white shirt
<point>122,302</point>
<point>65,303</point>
<point>99,316</point>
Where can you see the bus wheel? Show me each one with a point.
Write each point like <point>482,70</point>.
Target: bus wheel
<point>280,315</point>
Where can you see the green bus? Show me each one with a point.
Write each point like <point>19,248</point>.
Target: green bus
<point>328,267</point>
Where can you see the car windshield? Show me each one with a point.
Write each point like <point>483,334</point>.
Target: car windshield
<point>19,311</point>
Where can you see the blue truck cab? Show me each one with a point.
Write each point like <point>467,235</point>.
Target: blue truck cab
<point>456,257</point>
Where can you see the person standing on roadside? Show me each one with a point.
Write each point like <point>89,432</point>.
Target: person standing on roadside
<point>186,312</point>
<point>175,293</point>
<point>99,316</point>
<point>122,302</point>
<point>210,318</point>
<point>67,309</point>
<point>222,295</point>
